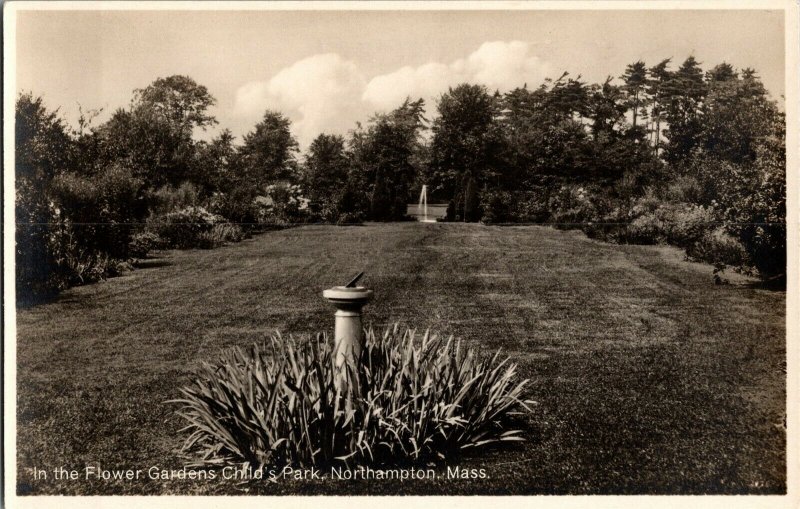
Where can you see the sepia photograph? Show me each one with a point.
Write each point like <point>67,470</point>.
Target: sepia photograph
<point>399,249</point>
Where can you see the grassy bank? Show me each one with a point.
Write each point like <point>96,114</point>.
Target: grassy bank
<point>648,377</point>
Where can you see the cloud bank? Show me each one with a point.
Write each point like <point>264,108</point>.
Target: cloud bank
<point>498,65</point>
<point>315,93</point>
<point>327,93</point>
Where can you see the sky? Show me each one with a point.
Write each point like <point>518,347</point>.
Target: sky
<point>326,70</point>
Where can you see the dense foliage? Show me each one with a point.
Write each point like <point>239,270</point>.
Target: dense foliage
<point>405,399</point>
<point>682,156</point>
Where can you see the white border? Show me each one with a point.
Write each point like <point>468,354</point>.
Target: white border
<point>792,48</point>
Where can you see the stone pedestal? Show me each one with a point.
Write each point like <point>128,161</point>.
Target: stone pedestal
<point>349,331</point>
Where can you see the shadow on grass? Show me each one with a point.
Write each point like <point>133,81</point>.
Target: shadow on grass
<point>151,263</point>
<point>29,301</point>
<point>774,284</point>
<point>26,301</point>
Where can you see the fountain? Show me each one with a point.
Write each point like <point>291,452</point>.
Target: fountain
<point>423,204</point>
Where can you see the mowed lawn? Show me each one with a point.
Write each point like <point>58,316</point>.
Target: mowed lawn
<point>648,377</point>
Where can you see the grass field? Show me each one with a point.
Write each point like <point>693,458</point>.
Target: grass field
<point>649,378</point>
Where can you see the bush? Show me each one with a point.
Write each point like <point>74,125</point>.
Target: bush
<point>651,221</point>
<point>75,232</point>
<point>236,206</point>
<point>351,218</point>
<point>751,196</point>
<point>406,399</point>
<point>220,234</point>
<point>185,228</point>
<point>688,223</point>
<point>169,198</point>
<point>720,248</point>
<point>101,208</point>
<point>36,268</point>
<point>142,243</point>
<point>76,265</point>
<point>758,215</point>
<point>514,206</point>
<point>281,205</point>
<point>645,229</point>
<point>532,206</point>
<point>472,211</point>
<point>684,188</point>
<point>496,207</point>
<point>576,205</point>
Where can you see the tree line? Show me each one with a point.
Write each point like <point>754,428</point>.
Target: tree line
<point>688,157</point>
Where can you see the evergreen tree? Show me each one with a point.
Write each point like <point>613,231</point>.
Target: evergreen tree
<point>659,76</point>
<point>635,79</point>
<point>684,93</point>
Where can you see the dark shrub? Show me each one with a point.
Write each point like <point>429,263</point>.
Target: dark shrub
<point>472,208</point>
<point>103,210</point>
<point>381,199</point>
<point>351,218</point>
<point>497,207</point>
<point>450,214</point>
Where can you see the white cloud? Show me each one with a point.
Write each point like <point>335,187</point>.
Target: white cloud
<point>316,93</point>
<point>429,80</point>
<point>327,93</point>
<point>505,66</point>
<point>498,65</point>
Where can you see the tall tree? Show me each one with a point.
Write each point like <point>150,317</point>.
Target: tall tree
<point>41,148</point>
<point>684,94</point>
<point>387,154</point>
<point>463,144</point>
<point>179,101</point>
<point>155,135</point>
<point>268,153</point>
<point>325,173</point>
<point>737,115</point>
<point>607,111</point>
<point>635,79</point>
<point>659,75</point>
<point>214,164</point>
<point>545,134</point>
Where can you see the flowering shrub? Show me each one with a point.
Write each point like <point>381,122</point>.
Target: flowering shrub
<point>142,243</point>
<point>237,206</point>
<point>185,228</point>
<point>280,204</point>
